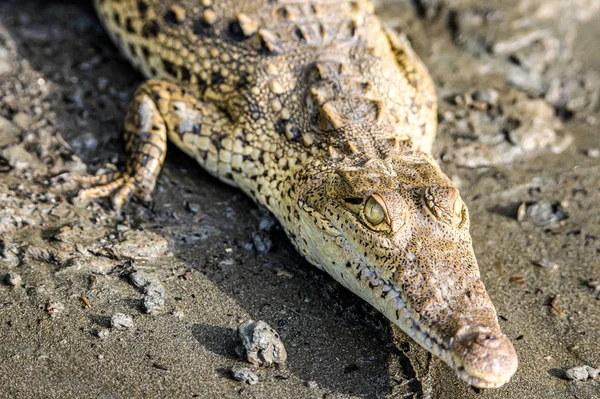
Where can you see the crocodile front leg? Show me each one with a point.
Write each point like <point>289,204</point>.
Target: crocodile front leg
<point>160,109</point>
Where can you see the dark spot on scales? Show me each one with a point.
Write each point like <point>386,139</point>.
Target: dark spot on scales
<point>216,78</point>
<point>280,126</point>
<point>151,29</point>
<point>171,18</point>
<point>142,7</point>
<point>201,28</point>
<point>129,25</point>
<point>242,81</point>
<point>133,49</point>
<point>170,68</point>
<point>185,74</point>
<point>299,35</point>
<point>117,18</point>
<point>202,85</point>
<point>236,33</point>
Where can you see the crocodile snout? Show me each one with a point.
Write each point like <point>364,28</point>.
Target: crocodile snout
<point>484,356</point>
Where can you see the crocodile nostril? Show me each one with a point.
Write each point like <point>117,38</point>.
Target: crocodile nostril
<point>488,340</point>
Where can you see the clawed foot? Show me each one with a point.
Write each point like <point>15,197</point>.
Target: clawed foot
<point>118,185</point>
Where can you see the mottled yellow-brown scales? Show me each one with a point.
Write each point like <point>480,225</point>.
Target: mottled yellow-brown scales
<point>326,118</point>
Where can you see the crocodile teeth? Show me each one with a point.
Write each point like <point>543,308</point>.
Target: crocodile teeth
<point>405,313</point>
<point>427,343</point>
<point>414,330</point>
<point>436,350</point>
<point>375,283</point>
<point>368,273</point>
<point>399,303</point>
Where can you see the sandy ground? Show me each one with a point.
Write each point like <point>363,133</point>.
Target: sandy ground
<point>519,88</point>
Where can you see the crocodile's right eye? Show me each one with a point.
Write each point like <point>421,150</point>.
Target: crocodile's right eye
<point>374,212</point>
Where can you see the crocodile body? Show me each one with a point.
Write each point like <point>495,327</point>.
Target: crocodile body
<point>326,118</point>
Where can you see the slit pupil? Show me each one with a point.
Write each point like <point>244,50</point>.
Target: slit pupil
<point>354,201</point>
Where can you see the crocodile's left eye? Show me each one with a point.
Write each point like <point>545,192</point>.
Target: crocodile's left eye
<point>374,212</point>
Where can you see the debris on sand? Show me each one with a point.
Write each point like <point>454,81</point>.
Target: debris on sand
<point>102,333</point>
<point>266,220</point>
<point>517,280</point>
<point>594,287</point>
<point>55,308</point>
<point>581,373</point>
<point>152,288</point>
<point>262,243</point>
<point>261,344</point>
<point>121,321</point>
<point>153,303</point>
<point>245,375</point>
<point>553,305</point>
<point>541,213</point>
<point>13,279</point>
<point>593,153</point>
<point>546,264</point>
<point>147,283</point>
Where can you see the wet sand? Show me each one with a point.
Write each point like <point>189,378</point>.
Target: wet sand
<point>519,89</point>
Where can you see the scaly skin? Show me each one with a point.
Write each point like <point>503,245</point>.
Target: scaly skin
<point>327,119</point>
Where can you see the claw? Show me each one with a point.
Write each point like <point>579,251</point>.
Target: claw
<point>94,180</point>
<point>122,186</point>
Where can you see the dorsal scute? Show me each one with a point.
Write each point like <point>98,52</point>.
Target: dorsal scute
<point>344,111</point>
<point>310,24</point>
<point>343,95</point>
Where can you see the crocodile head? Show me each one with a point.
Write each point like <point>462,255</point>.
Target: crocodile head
<point>395,231</point>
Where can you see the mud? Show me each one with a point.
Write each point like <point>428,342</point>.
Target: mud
<point>519,89</point>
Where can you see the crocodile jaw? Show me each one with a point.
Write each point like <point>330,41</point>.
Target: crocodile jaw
<point>479,353</point>
<point>482,356</point>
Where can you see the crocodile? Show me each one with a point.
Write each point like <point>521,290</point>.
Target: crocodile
<point>325,117</point>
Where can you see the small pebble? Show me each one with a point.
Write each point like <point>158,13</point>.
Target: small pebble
<point>22,120</point>
<point>261,344</point>
<point>581,373</point>
<point>311,384</point>
<point>152,288</point>
<point>103,333</point>
<point>121,321</point>
<point>487,96</point>
<point>266,222</point>
<point>138,280</point>
<point>262,243</point>
<point>594,287</point>
<point>542,213</point>
<point>147,283</point>
<point>102,84</point>
<point>192,207</point>
<point>593,153</point>
<point>13,279</point>
<point>592,372</point>
<point>546,264</point>
<point>55,308</point>
<point>245,375</point>
<point>153,303</point>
